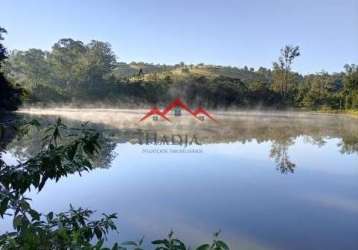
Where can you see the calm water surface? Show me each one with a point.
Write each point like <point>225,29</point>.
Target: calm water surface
<point>267,180</point>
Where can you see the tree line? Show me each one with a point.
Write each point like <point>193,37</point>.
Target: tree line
<point>78,73</point>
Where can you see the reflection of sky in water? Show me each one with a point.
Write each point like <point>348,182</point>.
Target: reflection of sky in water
<point>234,187</point>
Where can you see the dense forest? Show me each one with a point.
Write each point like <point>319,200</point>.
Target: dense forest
<point>76,73</point>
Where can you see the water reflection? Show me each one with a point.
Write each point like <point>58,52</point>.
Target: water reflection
<point>280,129</point>
<point>279,152</point>
<point>233,185</point>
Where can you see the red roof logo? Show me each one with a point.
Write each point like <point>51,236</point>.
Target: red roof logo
<point>177,103</point>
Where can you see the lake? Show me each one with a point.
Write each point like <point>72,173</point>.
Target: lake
<point>267,180</point>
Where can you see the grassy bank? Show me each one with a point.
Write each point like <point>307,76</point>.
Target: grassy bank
<point>350,112</point>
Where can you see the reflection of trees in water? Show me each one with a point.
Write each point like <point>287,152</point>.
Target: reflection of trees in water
<point>281,131</point>
<point>7,131</point>
<point>25,147</point>
<point>315,140</point>
<point>349,145</point>
<point>279,152</point>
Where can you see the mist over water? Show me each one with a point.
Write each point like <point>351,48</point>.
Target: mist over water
<point>268,180</point>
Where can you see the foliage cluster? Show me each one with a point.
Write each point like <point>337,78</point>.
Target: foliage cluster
<point>76,73</point>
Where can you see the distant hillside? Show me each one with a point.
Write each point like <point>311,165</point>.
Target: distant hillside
<point>78,73</point>
<point>179,71</point>
<point>123,70</point>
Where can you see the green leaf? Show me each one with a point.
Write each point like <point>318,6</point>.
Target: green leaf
<point>203,247</point>
<point>99,244</point>
<point>98,232</point>
<point>35,215</point>
<point>157,242</point>
<point>17,222</point>
<point>140,242</point>
<point>129,243</point>
<point>50,216</point>
<point>42,183</point>
<point>3,206</point>
<point>222,245</point>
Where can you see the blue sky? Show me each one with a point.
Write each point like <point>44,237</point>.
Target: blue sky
<point>226,32</point>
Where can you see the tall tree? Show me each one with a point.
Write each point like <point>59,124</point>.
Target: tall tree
<point>100,62</point>
<point>9,95</point>
<point>282,69</point>
<point>351,86</point>
<point>68,62</point>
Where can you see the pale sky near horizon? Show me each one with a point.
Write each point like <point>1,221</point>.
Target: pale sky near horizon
<point>227,32</point>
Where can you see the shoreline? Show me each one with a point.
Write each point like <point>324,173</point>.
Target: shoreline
<point>353,113</point>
